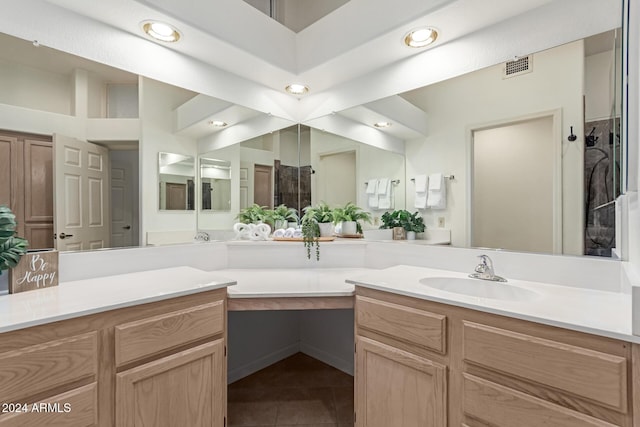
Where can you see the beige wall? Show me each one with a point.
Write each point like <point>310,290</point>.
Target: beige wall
<point>371,163</point>
<point>456,106</point>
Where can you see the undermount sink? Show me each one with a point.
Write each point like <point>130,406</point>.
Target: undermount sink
<point>479,288</point>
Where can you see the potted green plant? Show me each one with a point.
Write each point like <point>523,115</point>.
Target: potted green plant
<point>283,216</point>
<point>322,215</point>
<point>414,224</point>
<point>254,214</point>
<point>310,235</point>
<point>350,217</point>
<point>11,247</point>
<point>411,223</point>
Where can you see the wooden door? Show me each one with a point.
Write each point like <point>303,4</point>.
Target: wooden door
<point>184,389</point>
<point>176,196</point>
<point>81,200</point>
<point>263,185</point>
<point>397,388</point>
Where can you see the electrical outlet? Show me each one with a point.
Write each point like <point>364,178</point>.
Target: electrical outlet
<point>441,222</point>
<point>376,220</point>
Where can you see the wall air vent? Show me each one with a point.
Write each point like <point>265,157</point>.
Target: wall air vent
<point>518,66</point>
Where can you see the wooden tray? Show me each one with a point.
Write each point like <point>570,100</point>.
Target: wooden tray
<point>301,239</point>
<point>350,236</point>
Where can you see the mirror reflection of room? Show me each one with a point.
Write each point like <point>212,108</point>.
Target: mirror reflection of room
<point>176,181</point>
<point>215,180</point>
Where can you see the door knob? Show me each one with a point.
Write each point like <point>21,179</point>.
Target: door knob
<point>127,227</point>
<point>64,236</point>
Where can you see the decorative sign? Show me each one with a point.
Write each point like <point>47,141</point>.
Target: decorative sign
<point>399,233</point>
<point>35,270</point>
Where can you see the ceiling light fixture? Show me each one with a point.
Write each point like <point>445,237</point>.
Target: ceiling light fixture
<point>217,123</point>
<point>161,31</point>
<point>382,124</point>
<point>297,89</point>
<point>420,37</point>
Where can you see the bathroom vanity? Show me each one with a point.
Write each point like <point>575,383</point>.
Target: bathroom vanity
<point>150,348</point>
<point>120,359</point>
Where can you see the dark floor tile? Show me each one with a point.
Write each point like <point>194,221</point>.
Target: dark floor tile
<point>297,391</point>
<point>252,413</point>
<point>343,399</point>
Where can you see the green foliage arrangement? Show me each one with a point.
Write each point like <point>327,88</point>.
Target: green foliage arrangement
<point>283,213</point>
<point>11,246</point>
<point>351,212</point>
<point>313,215</point>
<point>319,213</point>
<point>253,214</point>
<point>405,219</point>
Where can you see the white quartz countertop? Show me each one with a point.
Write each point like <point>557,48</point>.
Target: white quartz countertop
<point>287,283</point>
<point>595,312</point>
<point>83,297</point>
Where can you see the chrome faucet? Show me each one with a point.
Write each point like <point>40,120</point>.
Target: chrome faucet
<point>485,270</point>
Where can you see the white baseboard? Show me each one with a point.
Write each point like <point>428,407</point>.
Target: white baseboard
<point>261,363</point>
<point>345,366</point>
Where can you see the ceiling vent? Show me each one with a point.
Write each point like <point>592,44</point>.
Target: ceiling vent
<point>518,66</point>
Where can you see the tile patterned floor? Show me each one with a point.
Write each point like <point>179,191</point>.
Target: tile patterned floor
<point>297,391</point>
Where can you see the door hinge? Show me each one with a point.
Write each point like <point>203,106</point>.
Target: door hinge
<point>225,351</point>
<point>355,347</point>
<point>224,422</point>
<point>354,417</point>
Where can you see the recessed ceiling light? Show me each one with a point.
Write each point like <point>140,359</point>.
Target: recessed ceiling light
<point>217,123</point>
<point>161,31</point>
<point>382,124</point>
<point>420,37</point>
<point>297,89</point>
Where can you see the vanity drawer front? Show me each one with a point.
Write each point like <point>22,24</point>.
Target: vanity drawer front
<point>502,406</point>
<point>411,325</point>
<point>142,338</point>
<point>32,370</point>
<point>591,374</point>
<point>75,408</point>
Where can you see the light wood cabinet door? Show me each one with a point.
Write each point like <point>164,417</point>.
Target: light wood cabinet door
<point>397,388</point>
<point>184,389</point>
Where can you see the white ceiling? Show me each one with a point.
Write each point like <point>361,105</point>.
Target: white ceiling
<point>350,57</point>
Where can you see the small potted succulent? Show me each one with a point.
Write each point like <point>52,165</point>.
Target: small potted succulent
<point>350,217</point>
<point>11,247</point>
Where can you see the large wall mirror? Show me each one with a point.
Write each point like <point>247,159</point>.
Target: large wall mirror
<point>473,128</point>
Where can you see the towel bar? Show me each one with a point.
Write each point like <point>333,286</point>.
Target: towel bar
<point>450,177</point>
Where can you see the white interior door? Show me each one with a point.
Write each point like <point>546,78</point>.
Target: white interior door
<point>81,199</point>
<point>514,187</point>
<point>121,212</point>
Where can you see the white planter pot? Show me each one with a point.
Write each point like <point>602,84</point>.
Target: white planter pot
<point>293,225</point>
<point>4,282</point>
<point>280,223</point>
<point>411,235</point>
<point>349,228</point>
<point>326,229</point>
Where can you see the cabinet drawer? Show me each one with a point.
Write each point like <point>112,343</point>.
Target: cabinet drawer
<point>504,407</point>
<point>146,337</point>
<point>32,370</point>
<point>591,374</point>
<point>75,408</point>
<point>411,325</point>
